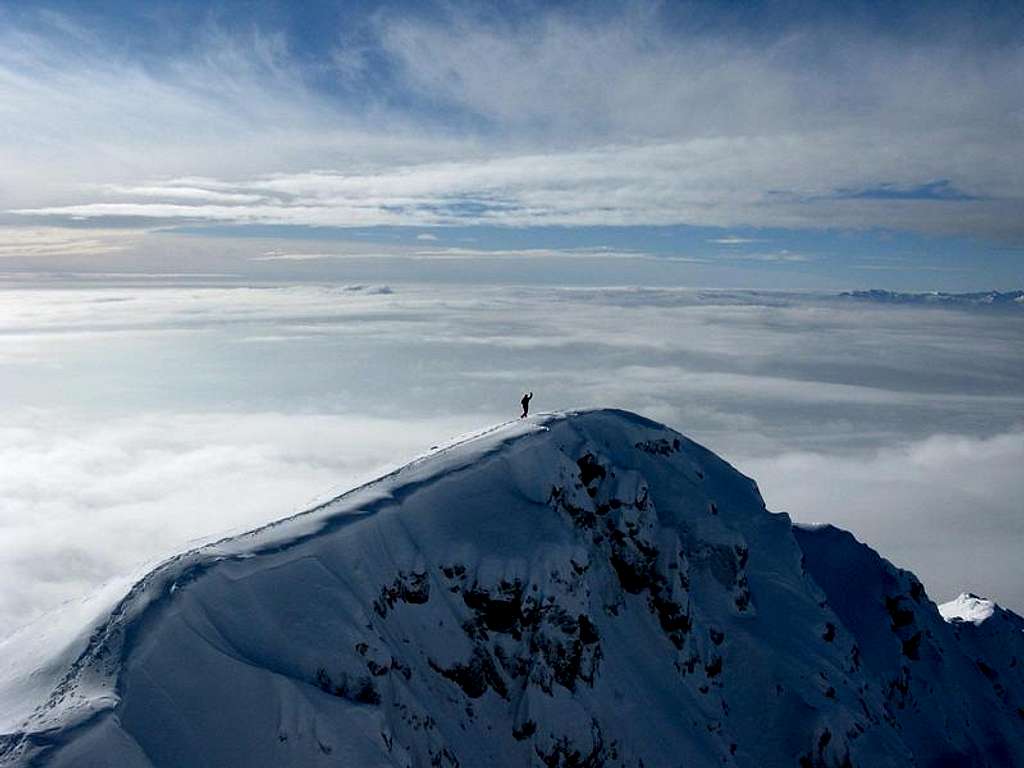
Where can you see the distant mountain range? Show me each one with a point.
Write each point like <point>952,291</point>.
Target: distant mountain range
<point>1013,299</point>
<point>571,590</point>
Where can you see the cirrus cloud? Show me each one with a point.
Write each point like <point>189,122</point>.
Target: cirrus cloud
<point>608,119</point>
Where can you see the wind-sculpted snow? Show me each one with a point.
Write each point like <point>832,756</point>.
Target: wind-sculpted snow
<point>584,589</point>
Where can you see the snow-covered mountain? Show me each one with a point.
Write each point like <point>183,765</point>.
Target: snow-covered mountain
<point>582,589</point>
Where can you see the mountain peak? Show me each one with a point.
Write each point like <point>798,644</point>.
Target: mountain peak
<point>968,607</point>
<point>581,588</point>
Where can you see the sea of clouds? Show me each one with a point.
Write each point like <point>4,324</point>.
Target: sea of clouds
<point>142,419</point>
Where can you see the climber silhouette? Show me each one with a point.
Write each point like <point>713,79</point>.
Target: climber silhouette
<point>526,405</point>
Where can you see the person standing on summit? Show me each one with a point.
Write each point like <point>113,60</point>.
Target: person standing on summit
<point>526,404</point>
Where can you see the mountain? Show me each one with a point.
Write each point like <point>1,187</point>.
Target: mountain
<point>1000,299</point>
<point>580,589</point>
<point>993,638</point>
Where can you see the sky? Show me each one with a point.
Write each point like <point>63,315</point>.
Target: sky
<point>764,144</point>
<point>252,253</point>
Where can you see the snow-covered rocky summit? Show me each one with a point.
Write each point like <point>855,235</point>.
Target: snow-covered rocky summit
<point>967,607</point>
<point>993,638</point>
<point>581,589</point>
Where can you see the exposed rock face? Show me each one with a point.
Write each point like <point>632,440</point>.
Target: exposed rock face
<point>588,589</point>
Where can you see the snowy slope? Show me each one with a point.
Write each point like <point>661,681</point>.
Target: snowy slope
<point>580,589</point>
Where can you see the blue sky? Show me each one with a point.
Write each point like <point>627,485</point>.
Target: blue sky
<point>776,145</point>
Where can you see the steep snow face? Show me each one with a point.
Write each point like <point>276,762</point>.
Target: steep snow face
<point>580,589</point>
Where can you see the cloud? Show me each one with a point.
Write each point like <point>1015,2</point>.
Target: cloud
<point>86,120</point>
<point>473,254</point>
<point>468,254</point>
<point>42,242</point>
<point>86,501</point>
<point>732,106</point>
<point>783,255</point>
<point>276,256</point>
<point>606,119</point>
<point>935,190</point>
<point>734,240</point>
<point>175,190</point>
<point>690,182</point>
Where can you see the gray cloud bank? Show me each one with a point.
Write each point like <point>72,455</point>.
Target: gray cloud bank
<point>142,418</point>
<point>608,119</point>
